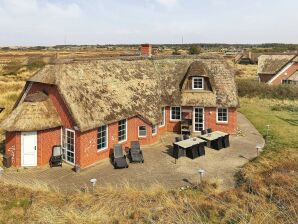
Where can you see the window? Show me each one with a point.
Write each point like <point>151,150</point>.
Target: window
<point>197,83</point>
<point>175,113</point>
<point>122,130</point>
<point>142,131</point>
<point>222,115</point>
<point>163,117</point>
<point>154,129</point>
<point>102,137</point>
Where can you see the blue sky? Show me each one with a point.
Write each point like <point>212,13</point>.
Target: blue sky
<point>51,22</point>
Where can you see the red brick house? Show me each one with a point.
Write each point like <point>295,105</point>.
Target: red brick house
<point>88,106</point>
<point>278,69</point>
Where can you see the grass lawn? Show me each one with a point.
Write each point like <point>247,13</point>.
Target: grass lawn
<point>283,131</point>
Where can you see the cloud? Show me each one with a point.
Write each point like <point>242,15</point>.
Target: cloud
<point>39,7</point>
<point>167,3</point>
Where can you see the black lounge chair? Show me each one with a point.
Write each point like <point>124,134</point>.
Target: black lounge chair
<point>56,158</point>
<point>226,141</point>
<point>217,144</point>
<point>209,130</point>
<point>203,132</point>
<point>135,152</point>
<point>119,159</point>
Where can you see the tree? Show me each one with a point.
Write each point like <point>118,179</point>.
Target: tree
<point>194,49</point>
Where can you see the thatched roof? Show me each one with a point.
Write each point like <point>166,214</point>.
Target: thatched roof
<point>36,113</point>
<point>100,92</point>
<point>272,64</point>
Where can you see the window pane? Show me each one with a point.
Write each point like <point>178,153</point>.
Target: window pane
<point>121,130</point>
<point>175,113</point>
<point>198,82</point>
<point>142,131</point>
<point>102,137</point>
<point>222,114</point>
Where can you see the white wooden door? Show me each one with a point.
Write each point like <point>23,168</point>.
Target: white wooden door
<point>29,149</point>
<point>198,119</point>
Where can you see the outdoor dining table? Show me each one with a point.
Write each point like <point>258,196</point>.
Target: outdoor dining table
<point>213,136</point>
<point>192,148</point>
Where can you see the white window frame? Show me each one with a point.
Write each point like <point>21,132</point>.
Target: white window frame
<point>163,111</point>
<point>154,127</point>
<point>171,114</point>
<point>193,83</point>
<point>142,136</point>
<point>107,139</point>
<point>222,122</point>
<point>126,128</point>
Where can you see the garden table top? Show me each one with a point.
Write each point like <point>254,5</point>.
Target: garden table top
<point>189,142</point>
<point>213,135</point>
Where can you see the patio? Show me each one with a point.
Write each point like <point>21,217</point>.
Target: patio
<point>159,166</point>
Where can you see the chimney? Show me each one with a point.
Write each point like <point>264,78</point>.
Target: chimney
<point>146,50</point>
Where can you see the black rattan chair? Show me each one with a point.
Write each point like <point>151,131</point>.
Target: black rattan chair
<point>217,144</point>
<point>56,158</point>
<point>209,130</point>
<point>178,139</point>
<point>226,141</point>
<point>203,132</point>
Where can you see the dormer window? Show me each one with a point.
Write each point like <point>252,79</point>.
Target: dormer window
<point>197,83</point>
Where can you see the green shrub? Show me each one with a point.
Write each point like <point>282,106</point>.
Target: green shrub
<point>251,88</point>
<point>194,49</point>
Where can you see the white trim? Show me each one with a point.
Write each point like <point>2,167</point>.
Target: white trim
<point>107,139</point>
<point>126,132</point>
<point>142,136</point>
<point>74,146</point>
<point>193,118</point>
<point>156,127</point>
<point>22,148</point>
<point>192,82</point>
<point>164,117</point>
<point>280,72</point>
<point>171,114</point>
<point>222,122</point>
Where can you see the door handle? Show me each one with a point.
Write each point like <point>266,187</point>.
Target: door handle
<point>35,148</point>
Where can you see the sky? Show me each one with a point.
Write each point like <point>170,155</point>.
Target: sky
<point>53,22</point>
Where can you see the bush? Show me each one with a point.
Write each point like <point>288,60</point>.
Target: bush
<point>195,50</point>
<point>176,52</point>
<point>251,88</point>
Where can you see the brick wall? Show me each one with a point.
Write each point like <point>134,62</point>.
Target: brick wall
<point>285,75</point>
<point>146,50</point>
<point>88,153</point>
<point>45,141</point>
<point>13,147</point>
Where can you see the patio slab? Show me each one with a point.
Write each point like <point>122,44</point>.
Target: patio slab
<point>159,166</point>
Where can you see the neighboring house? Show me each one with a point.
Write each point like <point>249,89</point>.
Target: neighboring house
<point>242,59</point>
<point>278,69</point>
<point>88,106</point>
